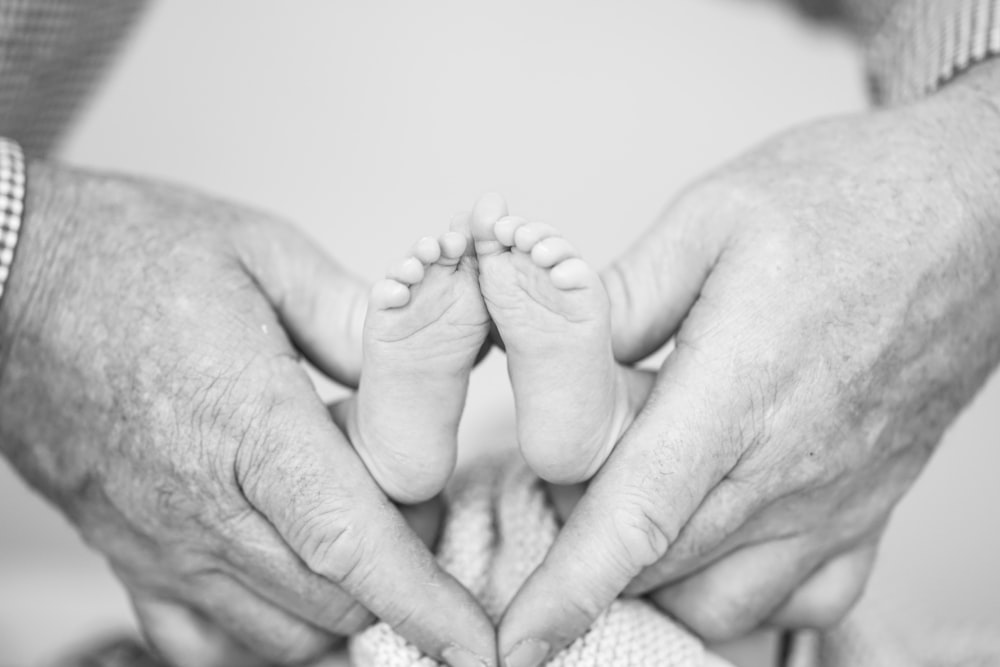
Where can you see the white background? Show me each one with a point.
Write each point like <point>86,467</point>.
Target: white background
<point>371,123</point>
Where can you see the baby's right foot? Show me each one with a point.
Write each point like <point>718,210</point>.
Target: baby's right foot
<point>551,310</point>
<point>426,324</point>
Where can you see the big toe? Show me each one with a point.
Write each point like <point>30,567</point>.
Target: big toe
<point>488,209</point>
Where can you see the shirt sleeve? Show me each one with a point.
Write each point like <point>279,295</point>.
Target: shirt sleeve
<point>52,52</point>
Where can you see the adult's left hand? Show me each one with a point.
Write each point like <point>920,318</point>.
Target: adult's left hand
<point>835,296</point>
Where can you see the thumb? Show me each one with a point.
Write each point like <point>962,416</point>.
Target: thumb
<point>629,517</point>
<point>320,303</point>
<point>654,284</point>
<point>315,491</point>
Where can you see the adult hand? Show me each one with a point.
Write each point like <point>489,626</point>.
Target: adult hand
<point>150,386</point>
<point>836,301</point>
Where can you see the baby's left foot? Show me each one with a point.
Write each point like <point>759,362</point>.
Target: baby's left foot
<point>426,324</point>
<point>551,310</point>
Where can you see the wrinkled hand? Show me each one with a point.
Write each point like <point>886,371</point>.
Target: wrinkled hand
<point>148,387</point>
<point>836,301</point>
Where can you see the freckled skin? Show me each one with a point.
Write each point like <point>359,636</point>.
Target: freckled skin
<point>149,387</point>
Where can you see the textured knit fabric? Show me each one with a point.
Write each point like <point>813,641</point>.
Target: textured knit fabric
<point>924,44</point>
<point>499,527</point>
<point>913,47</point>
<point>12,183</point>
<point>51,53</point>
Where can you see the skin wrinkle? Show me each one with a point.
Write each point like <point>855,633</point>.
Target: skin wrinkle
<point>327,556</point>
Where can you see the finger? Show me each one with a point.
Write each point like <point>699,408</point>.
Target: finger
<point>653,285</point>
<point>183,638</point>
<point>261,562</point>
<point>737,593</point>
<point>633,511</point>
<point>321,305</point>
<point>829,593</point>
<point>736,513</point>
<point>264,628</point>
<point>322,501</point>
<point>724,522</point>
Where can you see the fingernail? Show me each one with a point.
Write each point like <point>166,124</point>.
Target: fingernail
<point>527,653</point>
<point>456,656</point>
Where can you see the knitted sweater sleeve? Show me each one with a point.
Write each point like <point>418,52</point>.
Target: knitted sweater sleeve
<point>914,47</point>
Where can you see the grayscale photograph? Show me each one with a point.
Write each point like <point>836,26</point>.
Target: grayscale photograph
<point>499,333</point>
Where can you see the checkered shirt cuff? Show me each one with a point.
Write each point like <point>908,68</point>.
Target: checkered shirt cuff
<point>924,44</point>
<point>11,205</point>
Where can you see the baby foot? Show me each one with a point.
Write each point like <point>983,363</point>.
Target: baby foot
<point>552,313</point>
<point>425,326</point>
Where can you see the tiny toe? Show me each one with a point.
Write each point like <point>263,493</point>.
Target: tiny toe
<point>388,294</point>
<point>453,246</point>
<point>488,209</point>
<point>574,273</point>
<point>551,251</point>
<point>506,227</point>
<point>427,250</point>
<point>528,235</point>
<point>409,271</point>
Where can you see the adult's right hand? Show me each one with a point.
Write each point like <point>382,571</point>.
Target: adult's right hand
<point>150,387</point>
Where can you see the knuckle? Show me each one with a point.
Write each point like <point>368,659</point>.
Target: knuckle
<point>256,450</point>
<point>642,532</point>
<point>332,544</point>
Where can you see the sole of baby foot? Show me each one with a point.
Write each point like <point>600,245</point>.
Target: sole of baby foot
<point>425,327</point>
<point>552,313</point>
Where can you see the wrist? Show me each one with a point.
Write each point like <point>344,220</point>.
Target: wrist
<point>32,278</point>
<point>968,112</point>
